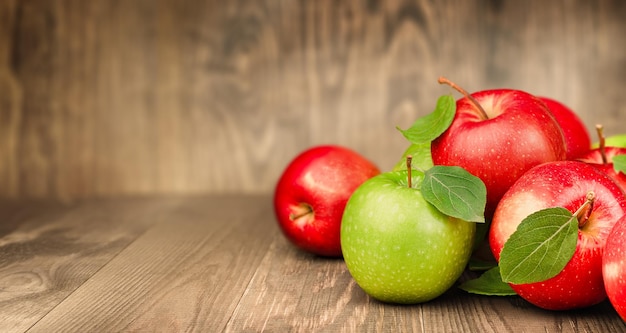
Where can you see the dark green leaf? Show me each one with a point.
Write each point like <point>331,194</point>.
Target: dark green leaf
<point>619,163</point>
<point>489,283</point>
<point>542,245</point>
<point>427,128</point>
<point>455,192</point>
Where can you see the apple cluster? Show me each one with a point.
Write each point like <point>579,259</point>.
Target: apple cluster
<point>500,169</point>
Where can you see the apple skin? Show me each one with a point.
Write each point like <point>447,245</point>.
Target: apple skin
<point>320,181</point>
<point>399,248</point>
<point>594,157</point>
<point>577,138</point>
<point>520,133</point>
<point>563,184</point>
<point>614,267</point>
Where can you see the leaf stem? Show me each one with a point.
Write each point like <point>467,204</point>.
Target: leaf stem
<point>584,211</point>
<point>473,101</point>
<point>409,159</point>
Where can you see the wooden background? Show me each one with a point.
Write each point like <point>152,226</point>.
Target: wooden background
<point>101,98</point>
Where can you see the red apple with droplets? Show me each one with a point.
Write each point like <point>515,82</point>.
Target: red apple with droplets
<point>577,138</point>
<point>498,135</point>
<point>563,184</point>
<point>312,192</point>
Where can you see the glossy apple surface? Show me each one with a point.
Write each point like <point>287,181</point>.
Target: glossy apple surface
<point>399,248</point>
<point>312,192</point>
<point>563,184</point>
<point>518,133</point>
<point>595,158</point>
<point>614,267</point>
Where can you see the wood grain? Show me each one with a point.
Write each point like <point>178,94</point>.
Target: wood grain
<point>48,250</point>
<point>186,274</point>
<point>202,96</point>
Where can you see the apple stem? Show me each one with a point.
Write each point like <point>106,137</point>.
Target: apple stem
<point>583,213</point>
<point>306,210</point>
<point>409,159</point>
<point>483,113</point>
<point>602,143</point>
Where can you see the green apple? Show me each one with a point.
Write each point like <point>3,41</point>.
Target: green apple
<point>422,160</point>
<point>398,247</point>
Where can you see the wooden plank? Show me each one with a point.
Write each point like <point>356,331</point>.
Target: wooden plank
<point>297,292</point>
<point>185,274</point>
<point>47,250</point>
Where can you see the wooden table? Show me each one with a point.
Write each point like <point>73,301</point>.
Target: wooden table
<point>211,264</point>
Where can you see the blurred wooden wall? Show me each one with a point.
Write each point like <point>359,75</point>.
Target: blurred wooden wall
<point>105,98</point>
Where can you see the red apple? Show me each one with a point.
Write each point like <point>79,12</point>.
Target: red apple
<point>563,184</point>
<point>614,267</point>
<point>602,158</point>
<point>497,135</point>
<point>577,138</point>
<point>312,192</point>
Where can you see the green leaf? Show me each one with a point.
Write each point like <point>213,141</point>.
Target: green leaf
<point>619,163</point>
<point>489,283</point>
<point>427,128</point>
<point>542,245</point>
<point>422,159</point>
<point>455,192</point>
